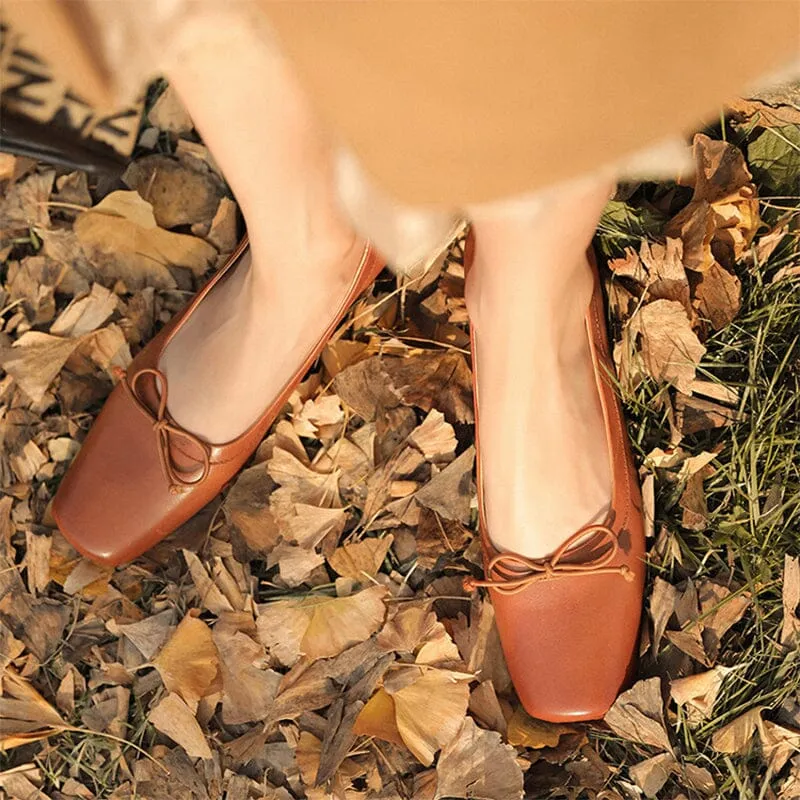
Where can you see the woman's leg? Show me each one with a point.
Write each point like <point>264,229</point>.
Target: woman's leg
<point>247,338</point>
<point>544,455</point>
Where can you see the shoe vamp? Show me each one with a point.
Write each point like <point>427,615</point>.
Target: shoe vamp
<point>569,642</point>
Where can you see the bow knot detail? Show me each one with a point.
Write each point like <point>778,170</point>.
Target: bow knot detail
<point>516,572</point>
<point>165,429</point>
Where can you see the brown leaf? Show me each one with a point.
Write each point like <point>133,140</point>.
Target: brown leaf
<point>149,634</point>
<point>211,595</point>
<point>791,599</point>
<point>721,169</point>
<point>175,719</point>
<point>699,779</point>
<point>736,736</point>
<point>296,565</point>
<point>366,386</point>
<point>309,525</point>
<point>479,644</point>
<point>723,211</point>
<point>476,764</point>
<point>85,313</point>
<point>434,438</point>
<point>440,380</point>
<point>525,731</point>
<point>357,559</point>
<point>315,415</point>
<point>35,359</point>
<point>408,628</point>
<point>429,710</point>
<point>638,715</point>
<point>179,193</point>
<point>24,204</point>
<point>689,640</point>
<point>189,663</point>
<point>666,276</point>
<point>778,744</point>
<point>663,599</point>
<point>718,296</point>
<point>249,688</point>
<point>449,493</point>
<point>720,609</point>
<point>670,349</point>
<point>247,509</point>
<point>767,115</point>
<point>23,782</point>
<point>320,627</point>
<point>693,414</point>
<point>378,718</point>
<point>694,504</point>
<point>25,716</point>
<point>121,233</point>
<point>169,114</point>
<point>485,706</point>
<point>699,692</point>
<point>651,775</point>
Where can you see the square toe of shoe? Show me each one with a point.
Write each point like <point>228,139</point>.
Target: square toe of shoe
<point>569,644</point>
<point>114,502</point>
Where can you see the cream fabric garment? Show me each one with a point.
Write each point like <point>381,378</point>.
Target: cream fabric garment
<point>132,41</point>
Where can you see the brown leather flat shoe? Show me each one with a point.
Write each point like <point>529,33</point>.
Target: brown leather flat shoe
<point>569,623</point>
<point>139,475</point>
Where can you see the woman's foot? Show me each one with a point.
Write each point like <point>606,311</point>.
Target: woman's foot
<point>544,453</point>
<point>244,341</point>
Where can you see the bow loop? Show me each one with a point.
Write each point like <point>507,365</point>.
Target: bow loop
<point>516,572</point>
<point>165,429</point>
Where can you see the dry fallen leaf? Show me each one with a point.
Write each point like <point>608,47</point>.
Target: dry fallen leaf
<point>120,233</point>
<point>699,692</point>
<point>723,209</point>
<point>429,710</point>
<point>651,775</point>
<point>778,744</point>
<point>638,715</point>
<point>189,663</point>
<point>169,114</point>
<point>359,559</point>
<point>663,599</point>
<point>180,194</point>
<point>440,380</point>
<point>379,718</point>
<point>435,438</point>
<point>175,719</point>
<point>694,504</point>
<point>247,509</point>
<point>248,687</point>
<point>694,414</point>
<point>320,627</point>
<point>476,764</point>
<point>149,634</point>
<point>736,736</point>
<point>35,359</point>
<point>721,609</point>
<point>25,716</point>
<point>525,731</point>
<point>85,313</point>
<point>449,493</point>
<point>670,348</point>
<point>791,599</point>
<point>718,296</point>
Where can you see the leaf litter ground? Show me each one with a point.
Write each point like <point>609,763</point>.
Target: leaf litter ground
<point>307,634</point>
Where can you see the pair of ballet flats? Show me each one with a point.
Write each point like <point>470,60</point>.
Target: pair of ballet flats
<point>568,623</point>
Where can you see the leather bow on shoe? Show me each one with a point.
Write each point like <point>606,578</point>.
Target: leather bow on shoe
<point>517,572</point>
<point>165,429</point>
